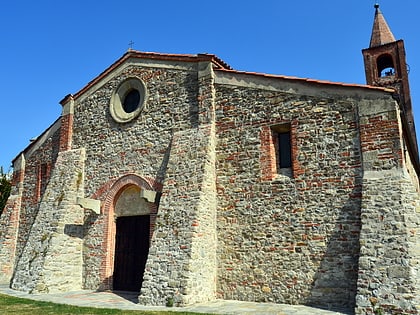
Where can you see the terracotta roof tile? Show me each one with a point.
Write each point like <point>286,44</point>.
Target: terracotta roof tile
<point>292,78</point>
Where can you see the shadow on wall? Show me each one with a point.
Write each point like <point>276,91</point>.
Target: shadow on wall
<point>74,230</point>
<point>335,282</point>
<point>91,270</point>
<point>106,284</point>
<point>193,95</point>
<point>26,225</point>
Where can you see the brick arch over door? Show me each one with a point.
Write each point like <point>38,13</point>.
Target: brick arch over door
<point>112,190</point>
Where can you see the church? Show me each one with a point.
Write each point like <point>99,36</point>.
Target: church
<point>182,179</point>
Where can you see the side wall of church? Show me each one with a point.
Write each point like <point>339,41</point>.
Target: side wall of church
<point>288,238</point>
<point>30,180</point>
<point>38,168</point>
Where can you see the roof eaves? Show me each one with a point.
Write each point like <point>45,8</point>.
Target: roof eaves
<point>219,63</point>
<point>324,82</point>
<point>35,140</point>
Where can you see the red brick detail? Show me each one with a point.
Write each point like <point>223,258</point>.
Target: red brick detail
<point>10,216</point>
<point>17,178</point>
<point>111,191</point>
<point>43,172</point>
<point>269,158</point>
<point>268,154</point>
<point>12,213</point>
<point>38,184</point>
<point>66,132</point>
<point>296,168</point>
<point>382,135</point>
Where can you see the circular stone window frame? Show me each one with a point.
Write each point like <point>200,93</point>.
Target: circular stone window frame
<point>118,96</point>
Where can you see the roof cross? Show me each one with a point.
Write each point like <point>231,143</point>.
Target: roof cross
<point>130,44</point>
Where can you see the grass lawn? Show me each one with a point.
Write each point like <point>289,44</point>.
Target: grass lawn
<point>14,305</point>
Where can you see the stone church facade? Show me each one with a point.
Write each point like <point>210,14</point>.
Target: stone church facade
<point>182,179</point>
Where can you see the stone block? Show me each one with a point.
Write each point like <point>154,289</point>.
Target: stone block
<point>400,272</point>
<point>91,204</point>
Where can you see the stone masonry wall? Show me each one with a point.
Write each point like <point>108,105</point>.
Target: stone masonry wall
<point>293,239</point>
<point>181,264</point>
<point>9,225</point>
<point>139,147</point>
<point>389,258</point>
<point>51,261</point>
<point>158,140</point>
<point>30,178</point>
<point>37,172</point>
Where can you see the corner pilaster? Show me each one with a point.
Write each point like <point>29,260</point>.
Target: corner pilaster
<point>66,129</point>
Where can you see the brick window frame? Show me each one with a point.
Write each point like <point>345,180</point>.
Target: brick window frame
<point>43,172</point>
<point>270,151</point>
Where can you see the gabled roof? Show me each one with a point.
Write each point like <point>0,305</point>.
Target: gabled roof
<point>381,33</point>
<point>217,63</point>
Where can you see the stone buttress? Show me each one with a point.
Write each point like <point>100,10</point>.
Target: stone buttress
<point>389,263</point>
<point>181,266</point>
<point>52,258</point>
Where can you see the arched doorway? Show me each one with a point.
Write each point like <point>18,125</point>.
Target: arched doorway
<point>132,234</point>
<point>121,198</point>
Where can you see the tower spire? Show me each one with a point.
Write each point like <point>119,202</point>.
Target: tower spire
<point>385,65</point>
<point>381,33</point>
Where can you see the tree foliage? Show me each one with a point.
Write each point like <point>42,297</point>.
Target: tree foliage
<point>5,187</point>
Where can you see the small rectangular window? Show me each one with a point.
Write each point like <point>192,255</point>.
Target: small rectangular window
<point>283,147</point>
<point>276,151</point>
<point>284,150</point>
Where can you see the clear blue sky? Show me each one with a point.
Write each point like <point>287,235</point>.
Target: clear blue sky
<point>52,48</point>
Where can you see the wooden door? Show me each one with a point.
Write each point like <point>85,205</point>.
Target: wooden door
<point>131,249</point>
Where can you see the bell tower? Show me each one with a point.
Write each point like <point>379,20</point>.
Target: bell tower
<point>385,66</point>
